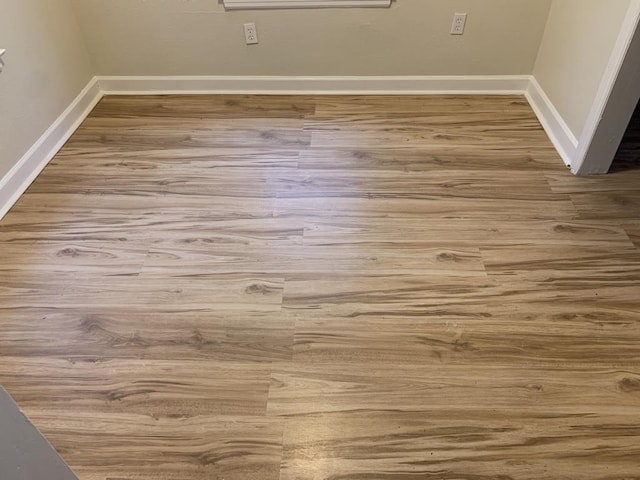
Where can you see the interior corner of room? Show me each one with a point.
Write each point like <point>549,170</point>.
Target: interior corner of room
<point>336,240</point>
<point>566,57</point>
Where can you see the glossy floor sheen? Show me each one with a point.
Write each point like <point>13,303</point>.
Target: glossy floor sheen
<point>343,288</point>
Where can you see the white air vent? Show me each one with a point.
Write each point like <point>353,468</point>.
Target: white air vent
<point>261,4</point>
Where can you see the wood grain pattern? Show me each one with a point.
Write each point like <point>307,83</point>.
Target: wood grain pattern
<point>336,287</point>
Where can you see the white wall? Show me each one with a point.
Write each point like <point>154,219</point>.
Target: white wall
<point>47,65</point>
<point>197,37</point>
<point>576,48</point>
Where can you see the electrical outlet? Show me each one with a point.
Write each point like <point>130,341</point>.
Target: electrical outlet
<point>459,22</point>
<point>250,33</point>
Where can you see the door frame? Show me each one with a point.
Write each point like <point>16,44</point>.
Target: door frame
<point>615,101</point>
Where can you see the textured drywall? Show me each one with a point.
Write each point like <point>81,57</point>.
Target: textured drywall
<point>197,37</point>
<point>574,54</point>
<point>47,65</point>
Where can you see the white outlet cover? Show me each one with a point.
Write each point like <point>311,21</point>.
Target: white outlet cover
<point>459,23</point>
<point>250,33</point>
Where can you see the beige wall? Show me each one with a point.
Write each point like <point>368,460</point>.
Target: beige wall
<point>197,37</point>
<point>48,64</point>
<point>575,51</point>
<point>46,67</point>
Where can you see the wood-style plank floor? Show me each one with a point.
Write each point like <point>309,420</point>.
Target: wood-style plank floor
<point>335,288</point>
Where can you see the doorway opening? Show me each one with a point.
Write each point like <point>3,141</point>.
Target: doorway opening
<point>628,154</point>
<point>615,102</point>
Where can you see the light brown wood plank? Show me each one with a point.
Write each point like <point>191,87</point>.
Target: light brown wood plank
<point>206,106</point>
<point>362,296</point>
<point>388,105</point>
<point>394,232</point>
<point>152,332</point>
<point>384,386</point>
<point>118,257</point>
<point>142,133</point>
<point>182,293</point>
<point>564,266</point>
<point>485,443</point>
<point>190,228</point>
<point>435,138</point>
<point>433,185</point>
<point>141,446</point>
<point>168,158</point>
<point>563,335</point>
<point>619,204</point>
<point>415,159</point>
<point>190,259</point>
<point>160,389</point>
<point>614,182</point>
<point>227,183</point>
<point>378,206</point>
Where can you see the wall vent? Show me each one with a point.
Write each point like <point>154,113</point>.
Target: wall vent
<point>266,4</point>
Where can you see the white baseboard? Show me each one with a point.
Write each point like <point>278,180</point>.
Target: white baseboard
<point>18,179</point>
<point>557,129</point>
<point>25,171</point>
<point>372,85</point>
